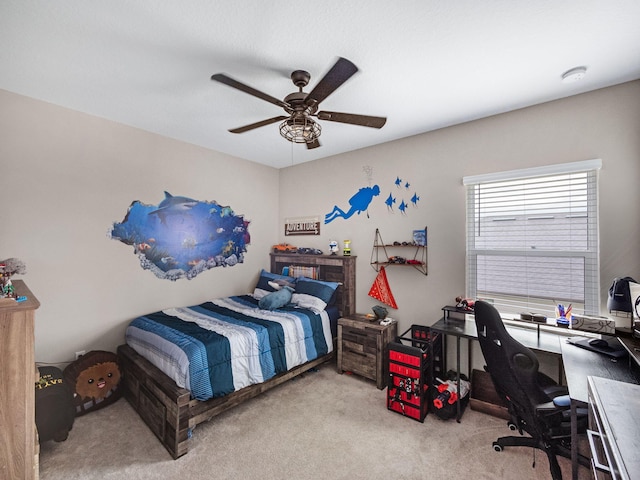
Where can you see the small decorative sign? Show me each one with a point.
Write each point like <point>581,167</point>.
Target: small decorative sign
<point>302,226</point>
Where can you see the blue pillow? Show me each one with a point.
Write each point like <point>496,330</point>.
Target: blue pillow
<point>276,299</point>
<point>263,288</point>
<point>313,294</point>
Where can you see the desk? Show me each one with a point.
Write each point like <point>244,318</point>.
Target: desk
<point>614,425</point>
<point>578,365</point>
<point>533,338</point>
<point>632,346</point>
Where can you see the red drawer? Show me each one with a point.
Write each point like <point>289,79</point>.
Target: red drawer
<point>404,370</point>
<point>416,412</point>
<point>401,357</point>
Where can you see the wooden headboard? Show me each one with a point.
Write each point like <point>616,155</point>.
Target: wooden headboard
<point>332,268</point>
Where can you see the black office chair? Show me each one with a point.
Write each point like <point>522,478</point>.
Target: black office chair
<point>537,405</point>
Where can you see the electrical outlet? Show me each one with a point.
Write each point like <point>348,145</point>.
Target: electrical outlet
<point>80,353</point>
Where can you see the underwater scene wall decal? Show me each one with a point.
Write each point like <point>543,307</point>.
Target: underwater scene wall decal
<point>182,237</point>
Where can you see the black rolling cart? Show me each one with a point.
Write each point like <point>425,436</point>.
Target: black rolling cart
<point>415,357</point>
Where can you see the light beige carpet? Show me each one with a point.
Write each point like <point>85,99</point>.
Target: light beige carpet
<point>320,426</point>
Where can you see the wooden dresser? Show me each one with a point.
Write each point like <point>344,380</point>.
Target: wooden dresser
<point>363,347</point>
<point>18,437</point>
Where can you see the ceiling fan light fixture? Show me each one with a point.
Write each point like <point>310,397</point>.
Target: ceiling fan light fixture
<point>300,129</point>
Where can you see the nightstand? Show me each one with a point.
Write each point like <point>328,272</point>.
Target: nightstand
<point>363,347</point>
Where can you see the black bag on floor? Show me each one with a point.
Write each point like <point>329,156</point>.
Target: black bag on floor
<point>55,412</point>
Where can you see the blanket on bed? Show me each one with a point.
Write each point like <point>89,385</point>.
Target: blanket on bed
<point>229,343</point>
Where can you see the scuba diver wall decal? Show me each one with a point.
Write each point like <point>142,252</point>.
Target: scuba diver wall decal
<point>358,203</point>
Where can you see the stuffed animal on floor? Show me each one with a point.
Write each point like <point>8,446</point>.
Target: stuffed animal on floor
<point>279,298</point>
<point>95,380</point>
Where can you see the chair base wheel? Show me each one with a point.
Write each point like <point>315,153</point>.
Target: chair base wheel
<point>497,447</point>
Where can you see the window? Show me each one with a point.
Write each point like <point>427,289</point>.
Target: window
<point>532,238</point>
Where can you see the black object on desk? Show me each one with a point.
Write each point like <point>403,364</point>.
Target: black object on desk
<point>607,345</point>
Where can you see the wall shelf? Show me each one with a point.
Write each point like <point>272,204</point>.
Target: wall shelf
<point>413,255</point>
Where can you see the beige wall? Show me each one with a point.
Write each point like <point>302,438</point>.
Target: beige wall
<point>603,124</point>
<point>66,177</point>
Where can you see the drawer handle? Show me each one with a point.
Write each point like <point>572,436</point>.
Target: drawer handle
<point>355,352</point>
<point>592,444</point>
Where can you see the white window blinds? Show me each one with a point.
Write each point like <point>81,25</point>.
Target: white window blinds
<point>532,238</point>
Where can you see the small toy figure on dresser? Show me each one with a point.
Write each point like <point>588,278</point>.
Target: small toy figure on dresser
<point>8,268</point>
<point>465,303</point>
<point>346,251</point>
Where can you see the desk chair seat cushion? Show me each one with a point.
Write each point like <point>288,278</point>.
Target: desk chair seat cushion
<point>550,386</point>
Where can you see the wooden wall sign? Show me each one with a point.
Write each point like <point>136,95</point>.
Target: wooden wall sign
<point>302,226</point>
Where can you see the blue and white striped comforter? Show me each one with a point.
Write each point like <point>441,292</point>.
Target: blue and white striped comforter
<point>229,343</point>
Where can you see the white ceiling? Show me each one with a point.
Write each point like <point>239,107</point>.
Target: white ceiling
<point>424,64</point>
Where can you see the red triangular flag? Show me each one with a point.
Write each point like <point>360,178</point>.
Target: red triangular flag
<point>380,290</point>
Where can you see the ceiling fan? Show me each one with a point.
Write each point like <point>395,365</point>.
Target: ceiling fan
<point>298,126</point>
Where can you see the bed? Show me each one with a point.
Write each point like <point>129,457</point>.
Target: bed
<point>234,349</point>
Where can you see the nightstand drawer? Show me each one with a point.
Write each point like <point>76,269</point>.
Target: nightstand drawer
<point>359,363</point>
<point>359,340</point>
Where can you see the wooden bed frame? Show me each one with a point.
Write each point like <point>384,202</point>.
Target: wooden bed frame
<point>170,412</point>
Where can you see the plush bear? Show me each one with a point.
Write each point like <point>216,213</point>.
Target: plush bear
<point>276,299</point>
<point>95,379</point>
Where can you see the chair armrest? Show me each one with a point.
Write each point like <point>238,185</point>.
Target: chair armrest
<point>562,401</point>
<point>548,407</point>
<point>555,390</point>
<point>560,405</point>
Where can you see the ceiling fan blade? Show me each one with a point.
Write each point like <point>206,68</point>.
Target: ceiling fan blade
<point>222,78</point>
<point>315,143</point>
<point>342,71</point>
<point>353,119</point>
<point>268,121</point>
